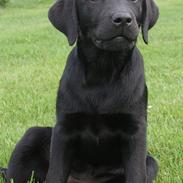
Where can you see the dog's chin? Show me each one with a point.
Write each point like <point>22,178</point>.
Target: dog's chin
<point>118,43</point>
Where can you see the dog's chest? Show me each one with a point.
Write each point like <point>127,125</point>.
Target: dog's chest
<point>113,99</point>
<point>101,125</point>
<point>99,138</point>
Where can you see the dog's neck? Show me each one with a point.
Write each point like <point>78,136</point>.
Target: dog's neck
<point>101,66</point>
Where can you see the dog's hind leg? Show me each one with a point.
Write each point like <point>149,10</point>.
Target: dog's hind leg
<point>152,168</point>
<point>30,159</point>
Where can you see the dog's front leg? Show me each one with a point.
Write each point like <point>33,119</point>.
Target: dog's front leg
<point>135,167</point>
<point>60,158</point>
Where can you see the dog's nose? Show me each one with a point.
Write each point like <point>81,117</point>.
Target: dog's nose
<point>122,19</point>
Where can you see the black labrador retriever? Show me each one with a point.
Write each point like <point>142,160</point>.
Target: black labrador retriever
<point>100,134</point>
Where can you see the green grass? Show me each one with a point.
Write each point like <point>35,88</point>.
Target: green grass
<point>32,58</point>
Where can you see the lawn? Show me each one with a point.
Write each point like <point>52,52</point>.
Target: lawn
<point>32,58</point>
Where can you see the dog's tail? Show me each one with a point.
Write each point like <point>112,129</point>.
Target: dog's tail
<point>3,173</point>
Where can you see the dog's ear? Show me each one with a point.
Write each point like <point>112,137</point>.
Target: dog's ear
<point>64,18</point>
<point>150,15</point>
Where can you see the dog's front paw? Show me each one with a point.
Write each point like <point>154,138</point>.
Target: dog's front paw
<point>135,179</point>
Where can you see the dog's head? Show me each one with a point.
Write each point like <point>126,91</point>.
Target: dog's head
<point>109,24</point>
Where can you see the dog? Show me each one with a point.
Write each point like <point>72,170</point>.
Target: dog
<point>101,108</point>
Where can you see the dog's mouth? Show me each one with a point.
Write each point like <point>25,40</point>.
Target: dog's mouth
<point>120,37</point>
<point>115,43</point>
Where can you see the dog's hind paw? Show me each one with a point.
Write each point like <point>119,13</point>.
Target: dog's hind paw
<point>3,173</point>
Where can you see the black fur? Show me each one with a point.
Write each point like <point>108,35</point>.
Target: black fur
<point>100,134</point>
